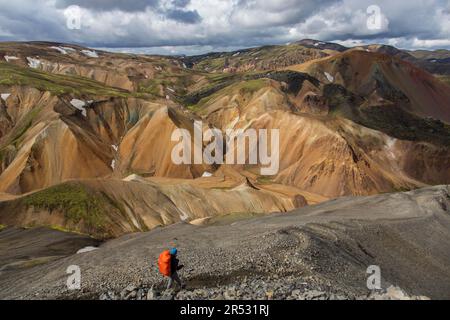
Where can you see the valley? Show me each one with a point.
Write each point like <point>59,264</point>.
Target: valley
<point>86,160</point>
<point>318,252</point>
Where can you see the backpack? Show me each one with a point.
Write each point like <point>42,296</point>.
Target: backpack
<point>164,263</point>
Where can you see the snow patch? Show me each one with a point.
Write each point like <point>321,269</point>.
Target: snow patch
<point>34,63</point>
<point>133,177</point>
<point>64,50</point>
<point>236,54</point>
<point>60,49</point>
<point>329,76</point>
<point>207,174</point>
<point>9,58</point>
<point>115,147</point>
<point>90,53</point>
<point>5,96</point>
<point>80,105</point>
<point>87,249</point>
<point>68,49</point>
<point>390,146</point>
<point>390,142</point>
<point>113,164</point>
<point>183,215</point>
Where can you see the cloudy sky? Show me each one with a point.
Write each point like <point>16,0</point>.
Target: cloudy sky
<point>197,26</point>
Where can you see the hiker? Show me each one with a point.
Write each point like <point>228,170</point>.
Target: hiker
<point>169,265</point>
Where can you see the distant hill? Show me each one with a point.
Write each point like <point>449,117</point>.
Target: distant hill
<point>77,123</point>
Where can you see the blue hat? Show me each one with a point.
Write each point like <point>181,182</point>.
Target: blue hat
<point>173,251</point>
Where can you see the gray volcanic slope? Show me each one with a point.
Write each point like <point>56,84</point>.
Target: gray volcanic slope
<point>326,247</point>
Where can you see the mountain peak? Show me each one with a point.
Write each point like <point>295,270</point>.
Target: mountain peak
<point>322,45</point>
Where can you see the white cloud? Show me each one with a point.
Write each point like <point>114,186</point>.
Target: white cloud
<point>433,43</point>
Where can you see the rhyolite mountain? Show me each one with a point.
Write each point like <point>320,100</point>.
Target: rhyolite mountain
<point>85,135</point>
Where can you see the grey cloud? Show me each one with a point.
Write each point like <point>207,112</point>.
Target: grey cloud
<point>184,16</point>
<point>174,9</point>
<point>289,11</point>
<point>106,5</point>
<point>181,3</point>
<point>124,5</point>
<point>315,26</point>
<point>221,23</point>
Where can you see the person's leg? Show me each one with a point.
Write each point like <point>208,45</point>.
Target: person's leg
<point>169,285</point>
<point>177,279</point>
